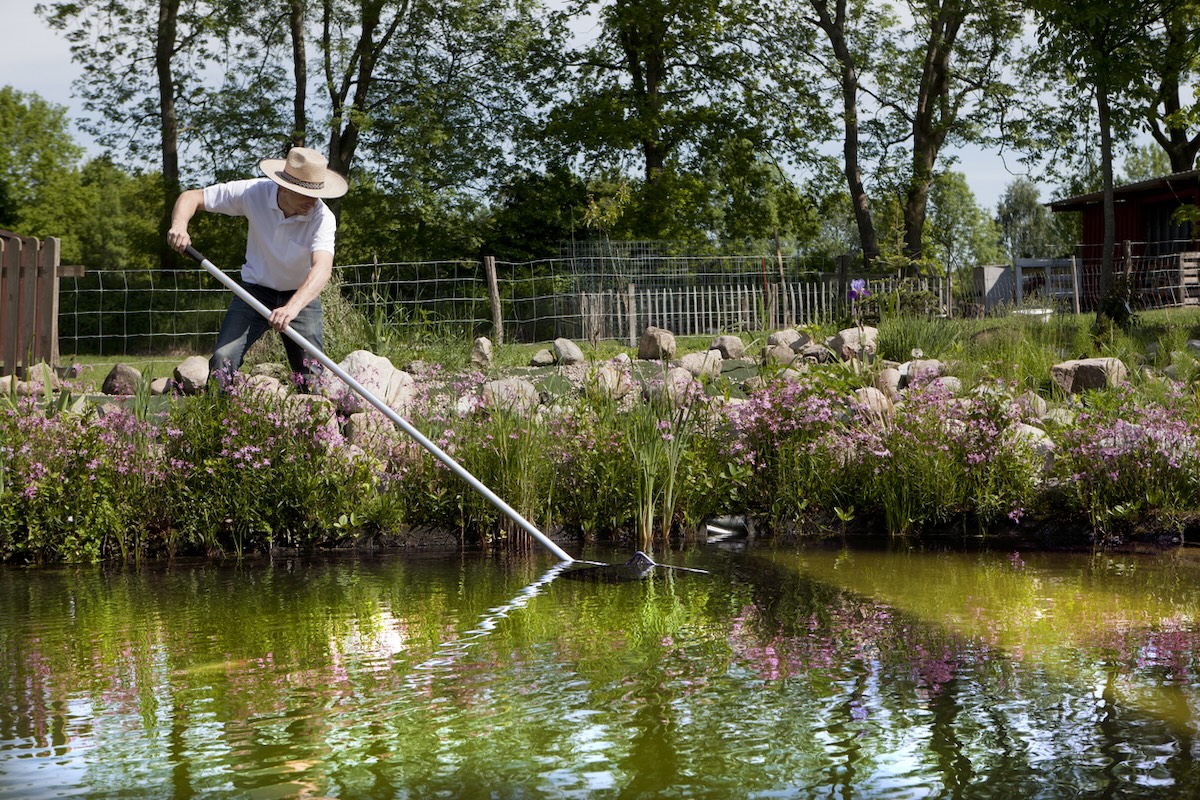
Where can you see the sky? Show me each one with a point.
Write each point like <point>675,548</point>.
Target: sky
<point>35,58</point>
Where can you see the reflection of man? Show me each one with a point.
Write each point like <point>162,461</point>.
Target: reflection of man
<point>289,253</point>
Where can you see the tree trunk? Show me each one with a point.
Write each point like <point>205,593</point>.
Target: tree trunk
<point>359,74</point>
<point>300,71</point>
<point>1104,114</point>
<point>164,48</point>
<point>1179,147</point>
<point>932,119</point>
<point>835,28</point>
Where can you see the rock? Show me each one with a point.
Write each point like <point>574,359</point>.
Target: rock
<point>542,358</point>
<point>657,344</point>
<point>611,382</point>
<point>481,353</point>
<point>161,386</point>
<point>888,381</point>
<point>814,352</point>
<point>122,379</point>
<point>378,376</point>
<point>567,352</point>
<point>512,394</point>
<point>191,376</point>
<point>678,388</point>
<point>1062,417</point>
<point>854,343</point>
<point>787,336</point>
<point>273,369</point>
<point>369,430</point>
<point>778,355</point>
<point>1034,438</point>
<point>876,402</point>
<point>39,379</point>
<point>1082,374</point>
<point>267,384</point>
<point>948,384</point>
<point>1031,404</point>
<point>729,346</point>
<point>702,364</point>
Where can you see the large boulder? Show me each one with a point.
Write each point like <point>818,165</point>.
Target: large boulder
<point>191,376</point>
<point>611,382</point>
<point>1081,374</point>
<point>122,379</point>
<point>395,388</point>
<point>512,394</point>
<point>657,344</point>
<point>567,352</point>
<point>729,346</point>
<point>854,343</point>
<point>702,364</point>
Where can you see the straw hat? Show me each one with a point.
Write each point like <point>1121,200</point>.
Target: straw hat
<point>306,172</point>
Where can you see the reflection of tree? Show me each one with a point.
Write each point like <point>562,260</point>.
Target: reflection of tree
<point>944,740</point>
<point>652,762</point>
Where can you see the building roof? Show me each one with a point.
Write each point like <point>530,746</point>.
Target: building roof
<point>1162,185</point>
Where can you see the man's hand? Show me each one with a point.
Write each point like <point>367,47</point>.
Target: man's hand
<point>178,240</point>
<point>186,206</point>
<point>282,317</point>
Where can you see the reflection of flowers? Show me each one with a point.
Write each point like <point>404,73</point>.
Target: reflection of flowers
<point>858,290</point>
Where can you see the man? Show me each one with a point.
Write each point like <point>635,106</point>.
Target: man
<point>289,253</point>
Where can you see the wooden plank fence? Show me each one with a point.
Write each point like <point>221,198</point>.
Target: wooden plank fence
<point>705,310</point>
<point>29,275</point>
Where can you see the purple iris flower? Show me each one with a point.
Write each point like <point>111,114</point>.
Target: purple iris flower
<point>858,290</point>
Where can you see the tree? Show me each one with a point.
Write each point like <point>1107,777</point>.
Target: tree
<point>354,37</point>
<point>146,65</point>
<point>534,213</point>
<point>1146,162</point>
<point>852,33</point>
<point>1028,228</point>
<point>36,153</point>
<point>962,232</point>
<point>946,84</point>
<point>1172,120</point>
<point>1104,49</point>
<point>662,81</point>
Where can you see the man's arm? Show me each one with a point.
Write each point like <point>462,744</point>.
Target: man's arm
<point>186,206</point>
<point>318,276</point>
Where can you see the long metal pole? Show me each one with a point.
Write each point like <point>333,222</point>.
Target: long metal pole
<point>384,408</point>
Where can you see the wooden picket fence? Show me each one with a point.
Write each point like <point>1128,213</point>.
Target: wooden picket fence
<point>29,275</point>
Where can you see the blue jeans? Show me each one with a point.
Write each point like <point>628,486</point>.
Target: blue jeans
<point>243,326</point>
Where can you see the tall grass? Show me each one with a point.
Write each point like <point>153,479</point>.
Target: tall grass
<point>241,472</point>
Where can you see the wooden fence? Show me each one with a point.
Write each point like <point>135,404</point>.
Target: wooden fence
<point>703,310</point>
<point>29,274</point>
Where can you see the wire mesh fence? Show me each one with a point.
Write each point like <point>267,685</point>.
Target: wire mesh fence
<point>592,297</point>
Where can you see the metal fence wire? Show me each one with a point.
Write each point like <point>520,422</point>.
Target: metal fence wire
<point>591,297</point>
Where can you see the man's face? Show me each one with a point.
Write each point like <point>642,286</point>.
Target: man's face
<point>291,203</point>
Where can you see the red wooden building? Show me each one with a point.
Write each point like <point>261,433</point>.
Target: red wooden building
<point>1149,242</point>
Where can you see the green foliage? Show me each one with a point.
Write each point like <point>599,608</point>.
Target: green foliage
<point>1028,227</point>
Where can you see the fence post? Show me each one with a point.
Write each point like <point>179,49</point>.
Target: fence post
<point>46,317</point>
<point>10,272</point>
<point>631,299</point>
<point>1074,285</point>
<point>843,264</point>
<point>489,264</point>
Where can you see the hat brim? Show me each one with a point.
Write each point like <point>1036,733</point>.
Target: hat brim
<point>335,184</point>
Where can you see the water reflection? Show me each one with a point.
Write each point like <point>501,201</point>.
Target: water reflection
<point>822,672</point>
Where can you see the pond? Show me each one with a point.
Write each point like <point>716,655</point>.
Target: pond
<point>823,671</point>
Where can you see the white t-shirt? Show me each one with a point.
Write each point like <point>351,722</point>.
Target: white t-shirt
<point>278,249</point>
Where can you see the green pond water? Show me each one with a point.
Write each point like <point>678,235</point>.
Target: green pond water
<point>822,672</point>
